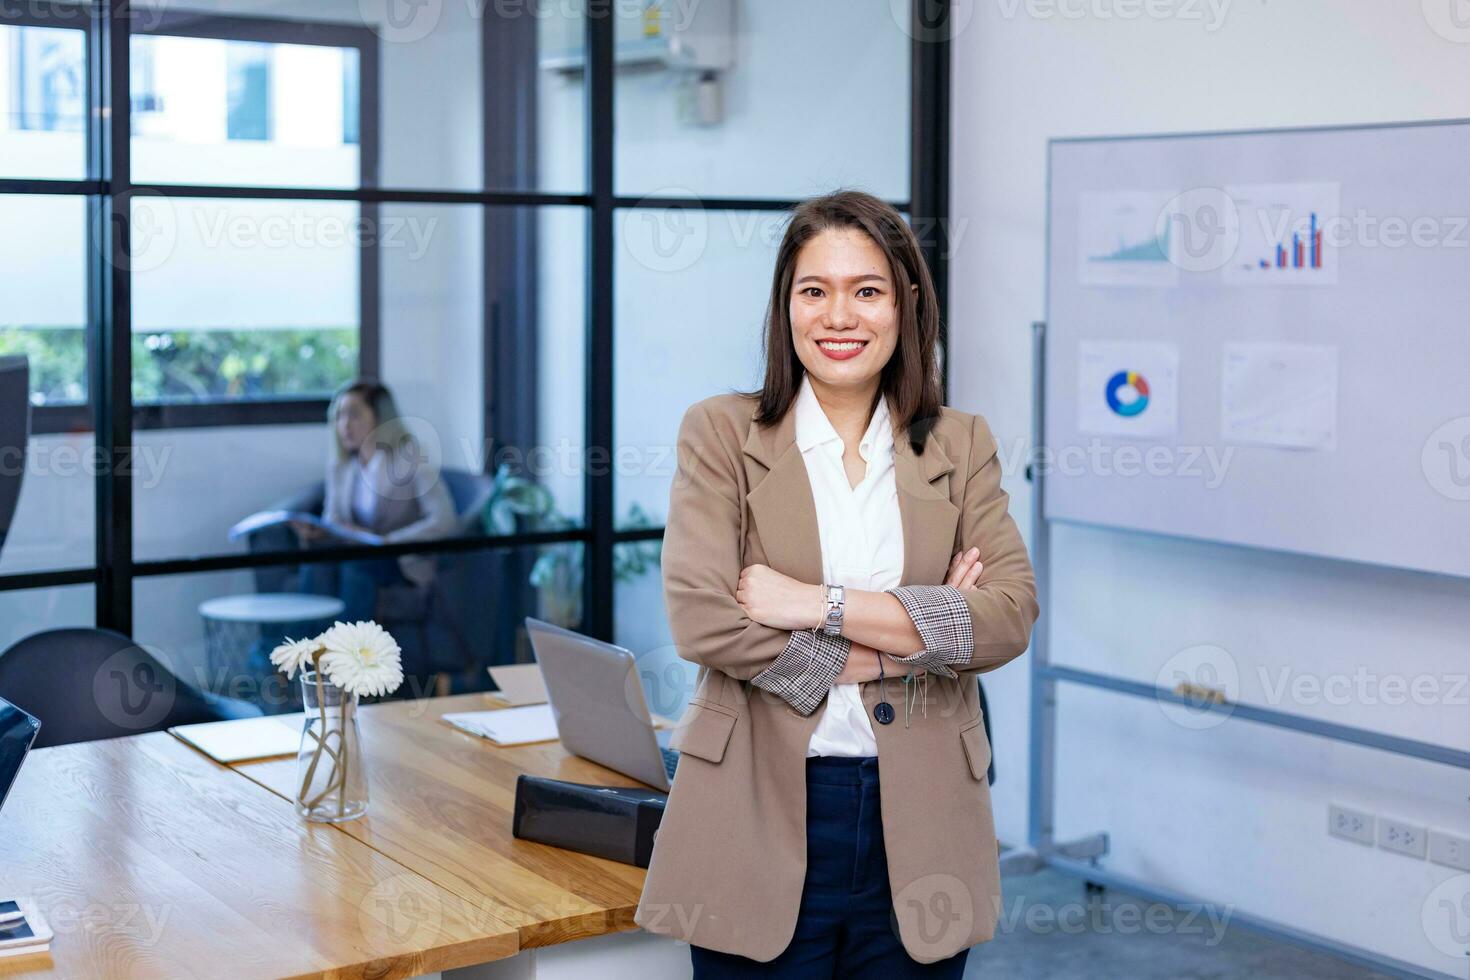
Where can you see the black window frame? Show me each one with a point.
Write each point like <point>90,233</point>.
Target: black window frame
<point>509,328</point>
<point>205,413</point>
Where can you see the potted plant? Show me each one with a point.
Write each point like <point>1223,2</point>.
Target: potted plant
<point>557,572</point>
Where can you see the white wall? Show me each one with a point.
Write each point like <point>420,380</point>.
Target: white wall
<point>817,99</point>
<point>1235,814</point>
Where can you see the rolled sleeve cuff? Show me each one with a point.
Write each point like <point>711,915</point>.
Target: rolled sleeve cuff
<point>942,617</point>
<point>803,673</point>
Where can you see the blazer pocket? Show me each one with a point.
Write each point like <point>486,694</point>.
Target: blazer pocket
<point>977,746</point>
<point>704,730</point>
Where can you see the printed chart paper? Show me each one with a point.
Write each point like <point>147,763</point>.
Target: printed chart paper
<point>1127,388</point>
<point>1282,395</point>
<point>1288,235</point>
<point>1123,239</point>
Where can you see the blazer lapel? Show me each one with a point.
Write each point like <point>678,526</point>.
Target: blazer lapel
<point>929,518</point>
<point>785,514</point>
<point>781,501</point>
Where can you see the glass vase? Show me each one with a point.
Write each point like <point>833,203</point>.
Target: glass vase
<point>331,772</point>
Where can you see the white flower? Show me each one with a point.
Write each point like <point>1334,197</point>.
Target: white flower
<point>362,658</point>
<point>294,654</point>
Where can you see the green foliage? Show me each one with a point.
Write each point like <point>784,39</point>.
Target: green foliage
<point>558,569</point>
<point>58,361</point>
<point>193,365</point>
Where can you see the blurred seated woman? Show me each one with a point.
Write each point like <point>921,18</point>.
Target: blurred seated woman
<point>379,481</point>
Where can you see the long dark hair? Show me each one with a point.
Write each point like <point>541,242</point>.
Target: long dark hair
<point>910,379</point>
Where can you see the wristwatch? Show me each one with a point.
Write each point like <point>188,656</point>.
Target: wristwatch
<point>832,621</point>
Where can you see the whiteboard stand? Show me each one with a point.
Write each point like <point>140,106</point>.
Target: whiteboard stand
<point>1043,848</point>
<point>1080,857</point>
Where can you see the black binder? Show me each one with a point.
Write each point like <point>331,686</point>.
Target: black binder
<point>616,822</point>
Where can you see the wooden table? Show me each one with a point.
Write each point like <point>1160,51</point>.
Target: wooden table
<point>440,803</point>
<point>150,860</point>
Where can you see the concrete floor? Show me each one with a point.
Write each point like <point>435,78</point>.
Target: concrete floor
<point>1048,930</point>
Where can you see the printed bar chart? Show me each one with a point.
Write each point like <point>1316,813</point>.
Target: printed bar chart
<point>1282,240</point>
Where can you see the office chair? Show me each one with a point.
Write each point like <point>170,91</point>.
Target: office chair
<point>89,684</point>
<point>15,430</point>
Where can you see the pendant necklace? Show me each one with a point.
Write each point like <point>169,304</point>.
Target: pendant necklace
<point>883,711</point>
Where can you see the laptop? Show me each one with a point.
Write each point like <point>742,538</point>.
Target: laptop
<point>597,700</point>
<point>17,735</point>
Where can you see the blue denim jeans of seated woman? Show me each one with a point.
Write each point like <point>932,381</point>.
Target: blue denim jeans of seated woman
<point>845,926</point>
<point>357,583</point>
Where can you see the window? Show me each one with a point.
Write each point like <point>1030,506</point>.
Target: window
<point>28,611</point>
<point>228,110</point>
<point>49,89</point>
<point>244,299</point>
<point>43,102</point>
<point>678,267</point>
<point>351,98</point>
<point>43,307</point>
<point>229,101</point>
<point>436,199</point>
<point>249,92</point>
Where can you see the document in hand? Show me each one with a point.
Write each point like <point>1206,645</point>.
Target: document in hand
<point>273,518</point>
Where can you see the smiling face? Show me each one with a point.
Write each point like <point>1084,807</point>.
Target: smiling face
<point>844,322</point>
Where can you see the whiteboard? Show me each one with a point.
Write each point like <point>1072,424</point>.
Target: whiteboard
<point>1263,338</point>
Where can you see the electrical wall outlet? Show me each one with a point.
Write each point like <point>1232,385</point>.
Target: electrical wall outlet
<point>1449,850</point>
<point>1350,824</point>
<point>1395,835</point>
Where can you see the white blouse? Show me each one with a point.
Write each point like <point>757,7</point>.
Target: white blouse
<point>369,486</point>
<point>861,534</point>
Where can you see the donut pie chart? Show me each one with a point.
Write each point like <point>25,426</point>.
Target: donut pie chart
<point>1127,379</point>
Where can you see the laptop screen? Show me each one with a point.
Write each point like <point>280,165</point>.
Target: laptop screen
<point>17,732</point>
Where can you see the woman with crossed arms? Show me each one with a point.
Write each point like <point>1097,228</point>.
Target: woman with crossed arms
<point>840,563</point>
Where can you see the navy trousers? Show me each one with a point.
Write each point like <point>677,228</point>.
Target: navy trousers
<point>845,927</point>
<point>357,583</point>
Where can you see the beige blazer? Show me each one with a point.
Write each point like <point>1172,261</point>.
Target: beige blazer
<point>420,510</point>
<point>730,856</point>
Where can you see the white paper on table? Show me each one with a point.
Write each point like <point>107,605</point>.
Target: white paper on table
<point>244,739</point>
<point>508,726</point>
<point>519,684</point>
<point>1282,395</point>
<point>1100,361</point>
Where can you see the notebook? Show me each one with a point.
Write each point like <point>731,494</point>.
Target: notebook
<point>244,739</point>
<point>508,726</point>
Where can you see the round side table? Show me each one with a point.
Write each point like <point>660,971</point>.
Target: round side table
<point>240,631</point>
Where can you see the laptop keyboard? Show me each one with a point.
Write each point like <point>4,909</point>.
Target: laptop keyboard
<point>671,759</point>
